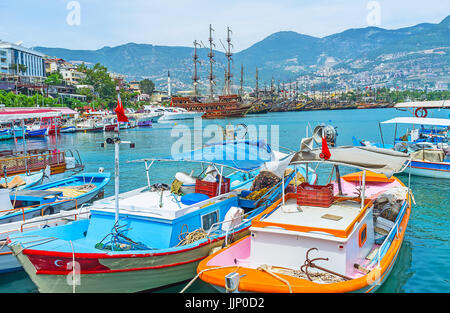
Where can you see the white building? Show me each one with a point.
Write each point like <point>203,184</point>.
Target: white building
<point>13,55</point>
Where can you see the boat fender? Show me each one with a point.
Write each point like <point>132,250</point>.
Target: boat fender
<point>232,218</point>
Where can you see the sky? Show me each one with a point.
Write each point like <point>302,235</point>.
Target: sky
<point>93,24</point>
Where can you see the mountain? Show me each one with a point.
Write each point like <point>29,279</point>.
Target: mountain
<point>283,55</point>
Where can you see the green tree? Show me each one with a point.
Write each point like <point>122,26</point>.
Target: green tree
<point>54,79</point>
<point>104,86</point>
<point>146,86</point>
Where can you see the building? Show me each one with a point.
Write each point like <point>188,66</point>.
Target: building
<point>72,76</point>
<point>134,86</point>
<point>20,61</point>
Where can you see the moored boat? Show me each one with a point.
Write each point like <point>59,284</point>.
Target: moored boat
<point>50,198</point>
<point>157,238</point>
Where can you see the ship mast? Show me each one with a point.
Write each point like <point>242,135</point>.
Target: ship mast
<point>195,77</point>
<point>211,61</point>
<point>256,88</point>
<point>242,80</point>
<point>228,55</point>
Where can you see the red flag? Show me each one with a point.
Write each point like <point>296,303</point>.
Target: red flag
<point>121,117</point>
<point>325,151</point>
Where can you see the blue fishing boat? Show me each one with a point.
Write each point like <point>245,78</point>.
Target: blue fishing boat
<point>68,129</point>
<point>36,133</point>
<point>50,198</point>
<point>150,237</point>
<point>427,145</point>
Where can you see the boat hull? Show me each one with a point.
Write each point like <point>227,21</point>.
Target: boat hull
<point>430,169</point>
<point>257,280</point>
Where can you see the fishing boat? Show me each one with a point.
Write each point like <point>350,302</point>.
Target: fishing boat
<point>89,125</point>
<point>21,181</point>
<point>36,132</point>
<point>148,237</point>
<point>68,129</point>
<point>342,236</point>
<point>50,198</point>
<point>8,263</point>
<point>12,132</point>
<point>428,146</point>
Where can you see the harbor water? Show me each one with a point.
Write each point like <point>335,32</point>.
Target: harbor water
<point>421,265</point>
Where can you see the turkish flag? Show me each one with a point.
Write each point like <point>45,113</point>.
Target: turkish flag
<point>325,151</point>
<point>121,117</point>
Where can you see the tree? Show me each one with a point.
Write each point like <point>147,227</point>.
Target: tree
<point>54,79</point>
<point>104,86</point>
<point>146,86</point>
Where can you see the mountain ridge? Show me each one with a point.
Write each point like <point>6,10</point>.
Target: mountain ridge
<point>283,54</point>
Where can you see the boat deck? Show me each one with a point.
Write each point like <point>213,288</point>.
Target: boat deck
<point>147,203</point>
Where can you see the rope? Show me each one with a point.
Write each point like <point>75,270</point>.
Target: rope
<point>266,269</point>
<point>73,267</point>
<point>206,270</point>
<point>190,237</point>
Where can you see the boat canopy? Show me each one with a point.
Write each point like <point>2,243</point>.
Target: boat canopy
<point>17,115</point>
<point>378,160</point>
<point>242,155</point>
<point>419,121</point>
<point>424,104</point>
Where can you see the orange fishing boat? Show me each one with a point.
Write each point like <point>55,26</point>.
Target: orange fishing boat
<point>348,245</point>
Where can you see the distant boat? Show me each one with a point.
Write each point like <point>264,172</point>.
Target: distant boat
<point>36,133</point>
<point>68,129</point>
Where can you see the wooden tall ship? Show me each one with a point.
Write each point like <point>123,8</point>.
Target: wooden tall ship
<point>227,105</point>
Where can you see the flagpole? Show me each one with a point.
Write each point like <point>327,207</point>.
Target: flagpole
<point>116,162</point>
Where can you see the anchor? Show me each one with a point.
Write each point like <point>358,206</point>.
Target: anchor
<point>309,263</point>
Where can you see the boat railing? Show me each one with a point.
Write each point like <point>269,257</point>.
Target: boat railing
<point>49,218</point>
<point>395,230</point>
<point>27,163</point>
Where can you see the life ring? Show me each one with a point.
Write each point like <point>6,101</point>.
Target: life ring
<point>421,112</point>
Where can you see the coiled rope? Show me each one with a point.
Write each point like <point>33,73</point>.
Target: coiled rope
<point>190,237</point>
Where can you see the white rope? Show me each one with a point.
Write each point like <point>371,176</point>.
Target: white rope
<point>266,269</point>
<point>73,267</point>
<point>205,270</point>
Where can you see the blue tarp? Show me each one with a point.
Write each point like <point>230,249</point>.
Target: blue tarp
<point>242,155</point>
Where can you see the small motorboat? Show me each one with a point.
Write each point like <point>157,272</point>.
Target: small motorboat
<point>68,129</point>
<point>41,132</point>
<point>343,236</point>
<point>22,181</point>
<point>50,198</point>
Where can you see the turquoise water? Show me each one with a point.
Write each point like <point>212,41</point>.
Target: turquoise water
<point>422,262</point>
